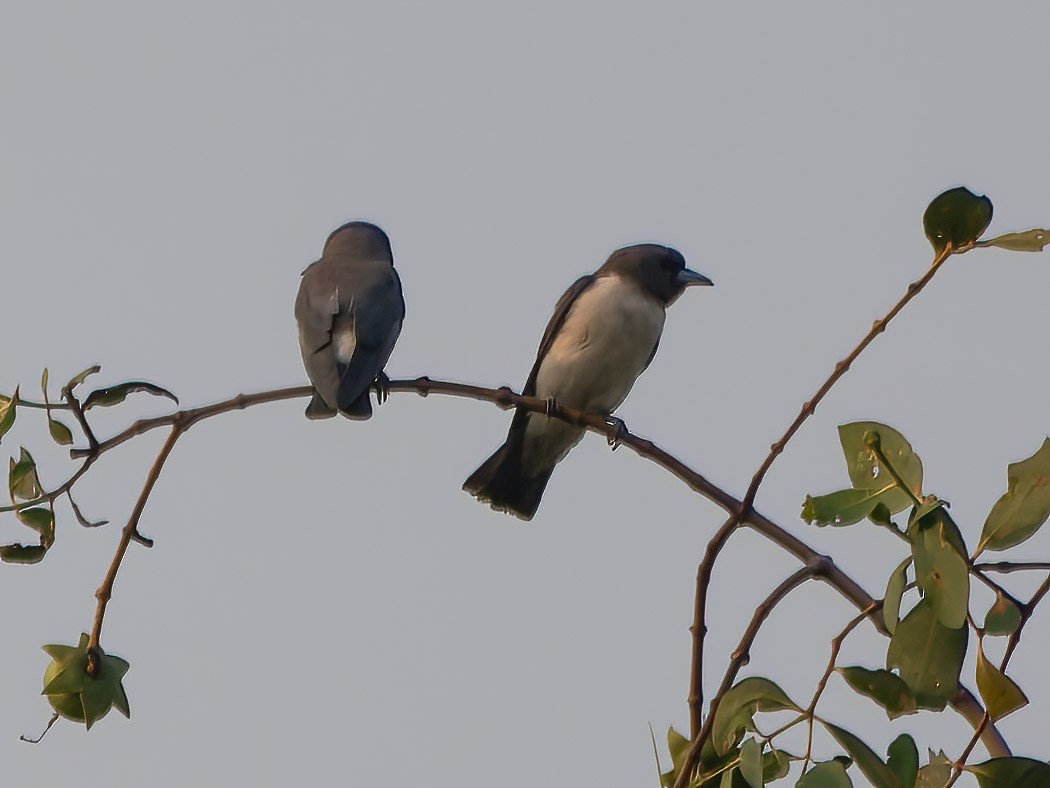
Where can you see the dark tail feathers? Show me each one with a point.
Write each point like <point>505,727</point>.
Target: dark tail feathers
<point>501,484</point>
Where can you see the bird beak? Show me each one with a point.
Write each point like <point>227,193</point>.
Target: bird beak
<point>689,278</point>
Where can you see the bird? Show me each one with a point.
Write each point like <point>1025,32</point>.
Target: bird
<point>604,333</point>
<point>349,309</point>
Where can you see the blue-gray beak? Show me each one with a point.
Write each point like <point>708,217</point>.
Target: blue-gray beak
<point>689,278</point>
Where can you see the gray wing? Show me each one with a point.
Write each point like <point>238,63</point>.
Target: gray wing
<point>335,297</point>
<point>561,311</point>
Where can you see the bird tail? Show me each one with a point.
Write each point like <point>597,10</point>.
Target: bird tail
<point>359,409</point>
<point>501,483</point>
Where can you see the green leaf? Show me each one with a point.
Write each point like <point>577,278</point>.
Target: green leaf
<point>79,694</point>
<point>885,688</point>
<point>1024,506</point>
<point>62,435</point>
<point>22,554</point>
<point>751,763</point>
<point>7,414</point>
<point>956,217</point>
<point>865,471</point>
<point>844,507</point>
<point>42,520</point>
<point>736,711</point>
<point>928,655</point>
<point>776,764</point>
<point>1001,695</point>
<point>678,746</point>
<point>941,571</point>
<point>830,774</point>
<point>891,604</point>
<point>870,764</point>
<point>936,773</point>
<point>22,480</point>
<point>1002,618</point>
<point>79,378</point>
<point>904,760</point>
<point>1012,773</point>
<point>43,383</point>
<point>114,395</point>
<point>1028,241</point>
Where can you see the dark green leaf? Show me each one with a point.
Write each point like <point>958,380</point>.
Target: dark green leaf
<point>936,773</point>
<point>941,572</point>
<point>865,471</point>
<point>737,709</point>
<point>880,515</point>
<point>928,655</point>
<point>751,763</point>
<point>904,760</point>
<point>956,217</point>
<point>59,432</point>
<point>1028,241</point>
<point>885,688</point>
<point>22,480</point>
<point>1024,506</point>
<point>872,766</point>
<point>1011,773</point>
<point>7,414</point>
<point>776,764</point>
<point>1002,618</point>
<point>114,395</point>
<point>844,507</point>
<point>891,605</point>
<point>1001,695</point>
<point>830,774</point>
<point>42,520</point>
<point>79,378</point>
<point>19,554</point>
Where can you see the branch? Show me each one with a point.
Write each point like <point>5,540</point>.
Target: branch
<point>1005,567</point>
<point>740,514</point>
<point>742,655</point>
<point>1026,609</point>
<point>105,591</point>
<point>505,398</point>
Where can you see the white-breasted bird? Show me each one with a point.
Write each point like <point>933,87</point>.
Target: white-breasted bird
<point>604,333</point>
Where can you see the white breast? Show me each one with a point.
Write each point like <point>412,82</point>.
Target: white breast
<point>602,346</point>
<point>598,353</point>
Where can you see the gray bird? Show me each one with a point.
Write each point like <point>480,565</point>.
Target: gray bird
<point>349,309</point>
<point>604,333</point>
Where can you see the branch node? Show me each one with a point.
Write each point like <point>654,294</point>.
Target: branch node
<point>145,541</point>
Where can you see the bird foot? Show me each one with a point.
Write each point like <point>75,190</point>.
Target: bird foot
<point>382,388</point>
<point>619,431</point>
<point>552,407</point>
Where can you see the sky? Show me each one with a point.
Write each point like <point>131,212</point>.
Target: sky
<point>324,605</point>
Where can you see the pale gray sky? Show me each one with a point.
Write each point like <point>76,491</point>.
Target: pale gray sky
<point>324,606</point>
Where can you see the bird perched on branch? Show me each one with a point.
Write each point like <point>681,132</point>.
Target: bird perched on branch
<point>602,336</point>
<point>349,309</point>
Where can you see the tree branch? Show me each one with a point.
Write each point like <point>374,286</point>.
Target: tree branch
<point>505,398</point>
<point>740,513</point>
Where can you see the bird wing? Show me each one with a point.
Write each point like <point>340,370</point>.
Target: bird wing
<point>361,296</point>
<point>377,309</point>
<point>561,311</point>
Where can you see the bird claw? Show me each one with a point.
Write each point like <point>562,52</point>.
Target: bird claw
<point>619,431</point>
<point>551,407</point>
<point>382,388</point>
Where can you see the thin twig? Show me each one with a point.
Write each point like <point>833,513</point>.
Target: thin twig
<point>836,647</point>
<point>78,414</point>
<point>1005,567</point>
<point>105,591</point>
<point>1026,609</point>
<point>742,655</point>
